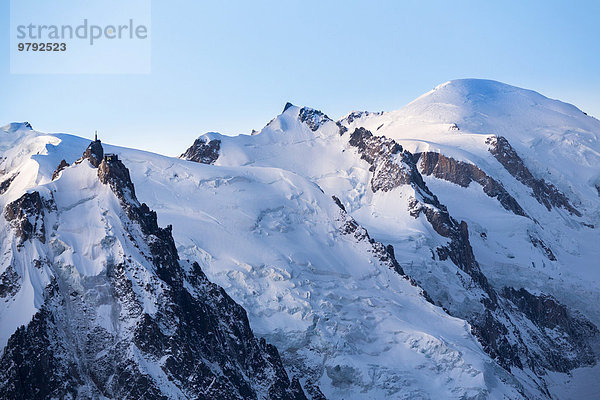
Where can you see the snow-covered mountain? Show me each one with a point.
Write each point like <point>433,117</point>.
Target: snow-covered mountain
<point>97,304</point>
<point>445,250</point>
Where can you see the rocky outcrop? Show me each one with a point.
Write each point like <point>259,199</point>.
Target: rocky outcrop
<point>355,115</point>
<point>380,153</point>
<point>462,173</point>
<point>385,254</point>
<point>62,165</point>
<point>33,363</point>
<point>502,327</point>
<point>15,126</point>
<point>114,173</point>
<point>94,153</point>
<point>545,193</point>
<point>203,151</point>
<point>26,216</point>
<point>9,282</point>
<point>5,184</point>
<point>391,167</point>
<point>172,333</point>
<point>537,242</point>
<point>314,119</point>
<point>567,340</point>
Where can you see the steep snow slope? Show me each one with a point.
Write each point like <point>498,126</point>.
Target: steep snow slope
<point>347,321</point>
<point>94,302</point>
<point>342,319</point>
<point>557,142</point>
<point>519,168</point>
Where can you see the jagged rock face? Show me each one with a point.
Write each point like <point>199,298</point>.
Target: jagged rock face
<point>493,324</point>
<point>463,174</point>
<point>357,115</point>
<point>114,173</point>
<point>568,341</point>
<point>5,184</point>
<point>385,254</point>
<point>62,165</point>
<point>94,153</point>
<point>539,243</point>
<point>26,216</point>
<point>172,333</point>
<point>32,368</point>
<point>203,151</point>
<point>9,282</point>
<point>314,119</point>
<point>545,193</point>
<point>392,167</point>
<point>380,153</point>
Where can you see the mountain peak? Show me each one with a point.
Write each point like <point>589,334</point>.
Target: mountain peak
<point>487,106</point>
<point>287,105</point>
<point>471,90</point>
<point>17,126</point>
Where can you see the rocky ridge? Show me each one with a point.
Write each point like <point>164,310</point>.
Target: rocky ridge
<point>173,333</point>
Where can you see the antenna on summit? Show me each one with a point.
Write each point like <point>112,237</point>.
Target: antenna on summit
<point>96,136</point>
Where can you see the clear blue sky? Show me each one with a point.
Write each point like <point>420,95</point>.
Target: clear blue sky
<point>230,66</point>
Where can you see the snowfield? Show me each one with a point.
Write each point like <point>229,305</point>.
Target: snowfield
<point>262,223</point>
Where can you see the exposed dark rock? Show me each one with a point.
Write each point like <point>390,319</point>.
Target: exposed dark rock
<point>197,337</point>
<point>354,115</point>
<point>15,126</point>
<point>314,119</point>
<point>6,183</point>
<point>203,151</point>
<point>94,153</point>
<point>379,152</point>
<point>199,318</point>
<point>539,243</point>
<point>385,254</point>
<point>493,336</point>
<point>287,105</point>
<point>314,391</point>
<point>114,173</point>
<point>296,391</point>
<point>9,282</point>
<point>339,203</point>
<point>26,216</point>
<point>567,341</point>
<point>392,167</point>
<point>462,173</point>
<point>494,324</point>
<point>30,366</point>
<point>545,193</point>
<point>62,165</point>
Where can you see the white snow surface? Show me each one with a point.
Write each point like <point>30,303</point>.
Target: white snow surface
<point>262,224</point>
